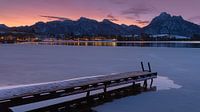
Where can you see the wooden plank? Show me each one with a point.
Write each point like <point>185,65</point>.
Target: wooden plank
<point>31,89</point>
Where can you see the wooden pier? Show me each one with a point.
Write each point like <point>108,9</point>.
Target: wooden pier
<point>27,94</point>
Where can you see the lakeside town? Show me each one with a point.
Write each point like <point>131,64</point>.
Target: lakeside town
<point>17,37</point>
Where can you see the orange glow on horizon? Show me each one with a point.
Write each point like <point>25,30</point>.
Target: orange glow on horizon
<point>129,12</point>
<point>25,13</point>
<point>27,22</point>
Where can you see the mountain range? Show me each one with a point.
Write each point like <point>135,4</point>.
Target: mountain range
<point>162,24</point>
<point>82,26</point>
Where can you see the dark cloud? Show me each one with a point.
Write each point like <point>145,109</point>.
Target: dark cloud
<point>137,11</point>
<point>129,17</point>
<point>142,22</point>
<point>111,17</point>
<point>119,1</point>
<point>54,18</point>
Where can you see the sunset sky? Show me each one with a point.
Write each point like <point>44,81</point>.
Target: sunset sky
<point>137,12</point>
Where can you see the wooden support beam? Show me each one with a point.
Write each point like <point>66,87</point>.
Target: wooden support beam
<point>142,65</point>
<point>133,84</point>
<point>145,84</point>
<point>105,88</point>
<point>151,83</point>
<point>88,94</point>
<point>149,67</point>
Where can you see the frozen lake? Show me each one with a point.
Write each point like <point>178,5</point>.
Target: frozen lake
<point>179,85</point>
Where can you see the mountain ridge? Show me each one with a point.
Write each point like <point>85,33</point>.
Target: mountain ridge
<point>3,27</point>
<point>167,24</point>
<point>162,24</point>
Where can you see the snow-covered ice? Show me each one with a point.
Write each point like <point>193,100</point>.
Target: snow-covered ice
<point>178,86</point>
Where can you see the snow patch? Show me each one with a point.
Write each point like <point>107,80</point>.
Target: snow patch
<point>164,83</point>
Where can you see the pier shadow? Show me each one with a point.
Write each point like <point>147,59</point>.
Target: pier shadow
<point>86,104</point>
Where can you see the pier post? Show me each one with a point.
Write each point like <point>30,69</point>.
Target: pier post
<point>88,99</point>
<point>133,84</point>
<point>145,84</point>
<point>142,65</point>
<point>151,83</point>
<point>88,94</point>
<point>105,88</point>
<point>149,67</point>
<point>105,92</point>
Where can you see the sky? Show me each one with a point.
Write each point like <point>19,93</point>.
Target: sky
<point>130,12</point>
